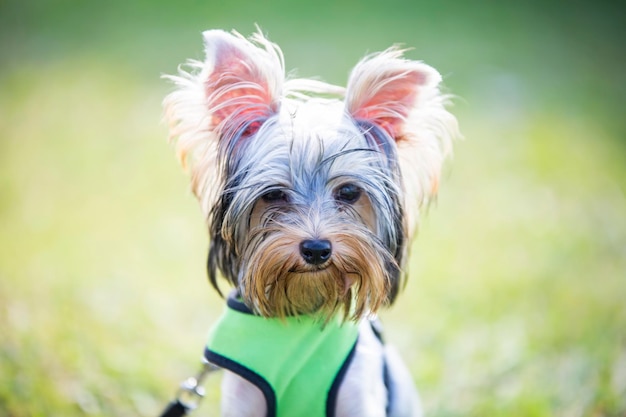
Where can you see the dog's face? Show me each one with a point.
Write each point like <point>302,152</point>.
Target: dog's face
<point>310,200</point>
<point>311,217</point>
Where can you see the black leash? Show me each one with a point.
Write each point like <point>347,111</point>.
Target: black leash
<point>190,392</point>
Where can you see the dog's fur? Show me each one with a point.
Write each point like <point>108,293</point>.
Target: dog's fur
<point>279,163</point>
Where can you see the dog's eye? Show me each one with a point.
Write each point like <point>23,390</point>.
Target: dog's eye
<point>274,196</point>
<point>348,193</point>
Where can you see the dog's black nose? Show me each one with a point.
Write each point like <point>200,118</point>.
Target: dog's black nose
<point>315,251</point>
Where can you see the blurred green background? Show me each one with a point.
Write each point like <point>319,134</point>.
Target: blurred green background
<point>517,300</point>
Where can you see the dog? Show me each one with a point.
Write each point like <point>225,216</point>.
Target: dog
<point>312,193</point>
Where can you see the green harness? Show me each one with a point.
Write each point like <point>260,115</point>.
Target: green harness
<point>298,363</point>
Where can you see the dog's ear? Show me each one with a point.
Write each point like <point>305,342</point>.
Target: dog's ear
<point>238,85</point>
<point>242,80</point>
<point>385,89</point>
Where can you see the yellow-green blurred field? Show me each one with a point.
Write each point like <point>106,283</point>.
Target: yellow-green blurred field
<point>516,304</point>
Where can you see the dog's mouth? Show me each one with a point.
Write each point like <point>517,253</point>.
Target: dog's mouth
<point>347,279</point>
<point>310,269</point>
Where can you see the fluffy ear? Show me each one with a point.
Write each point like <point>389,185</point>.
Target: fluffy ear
<point>221,100</point>
<point>402,98</point>
<point>384,89</point>
<point>242,81</point>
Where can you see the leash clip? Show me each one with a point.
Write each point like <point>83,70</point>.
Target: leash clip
<point>191,391</point>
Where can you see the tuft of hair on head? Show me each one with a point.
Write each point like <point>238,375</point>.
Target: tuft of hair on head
<point>402,97</point>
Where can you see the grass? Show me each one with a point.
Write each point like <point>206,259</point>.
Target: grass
<point>515,305</point>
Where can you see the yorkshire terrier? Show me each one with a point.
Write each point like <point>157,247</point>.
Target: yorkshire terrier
<point>311,194</point>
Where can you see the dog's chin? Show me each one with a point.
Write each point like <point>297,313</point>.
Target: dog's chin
<point>317,291</point>
<point>320,291</point>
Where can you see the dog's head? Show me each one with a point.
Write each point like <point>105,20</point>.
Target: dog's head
<point>311,191</point>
